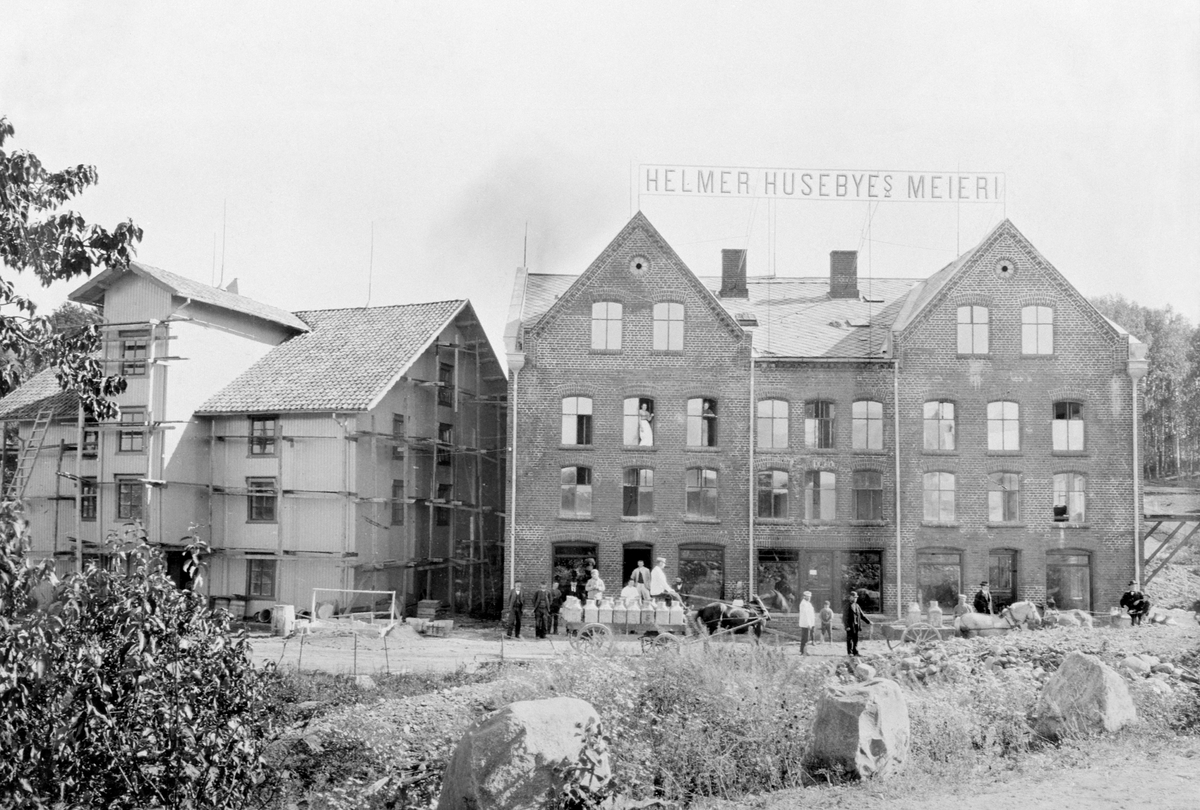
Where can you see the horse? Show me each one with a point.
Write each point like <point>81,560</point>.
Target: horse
<point>736,618</point>
<point>1010,618</point>
<point>775,600</point>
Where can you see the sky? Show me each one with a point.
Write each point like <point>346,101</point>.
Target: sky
<point>335,155</point>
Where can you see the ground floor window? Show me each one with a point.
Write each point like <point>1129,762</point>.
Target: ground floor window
<point>1069,579</point>
<point>830,576</point>
<point>570,557</point>
<point>939,577</point>
<point>260,578</point>
<point>1002,577</point>
<point>702,569</point>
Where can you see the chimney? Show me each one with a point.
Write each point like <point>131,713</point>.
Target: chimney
<point>733,273</point>
<point>843,274</point>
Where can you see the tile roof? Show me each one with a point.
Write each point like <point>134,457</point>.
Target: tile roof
<point>39,391</point>
<point>348,359</point>
<point>185,287</point>
<point>796,317</point>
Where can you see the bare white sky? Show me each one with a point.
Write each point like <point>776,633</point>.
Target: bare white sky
<point>448,126</point>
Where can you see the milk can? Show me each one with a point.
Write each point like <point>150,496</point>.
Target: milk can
<point>591,613</point>
<point>571,610</point>
<point>662,614</point>
<point>618,615</point>
<point>647,613</point>
<point>677,613</point>
<point>914,614</point>
<point>606,610</point>
<point>935,613</point>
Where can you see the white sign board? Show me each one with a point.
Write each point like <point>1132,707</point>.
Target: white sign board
<point>820,184</point>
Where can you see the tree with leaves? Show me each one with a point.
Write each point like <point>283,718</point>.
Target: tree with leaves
<point>39,236</point>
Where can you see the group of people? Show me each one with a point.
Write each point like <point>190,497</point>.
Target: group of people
<point>586,585</point>
<point>853,618</point>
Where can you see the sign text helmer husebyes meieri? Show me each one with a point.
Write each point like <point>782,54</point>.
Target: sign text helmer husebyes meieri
<point>821,184</point>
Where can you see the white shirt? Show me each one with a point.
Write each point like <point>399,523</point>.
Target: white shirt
<point>658,582</point>
<point>807,617</point>
<point>630,592</point>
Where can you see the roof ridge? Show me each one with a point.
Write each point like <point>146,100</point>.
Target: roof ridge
<point>454,301</point>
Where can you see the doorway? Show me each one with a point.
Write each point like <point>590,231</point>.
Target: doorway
<point>177,571</point>
<point>632,553</point>
<point>816,575</point>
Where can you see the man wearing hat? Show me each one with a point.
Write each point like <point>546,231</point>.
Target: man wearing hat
<point>660,591</point>
<point>1135,602</point>
<point>983,599</point>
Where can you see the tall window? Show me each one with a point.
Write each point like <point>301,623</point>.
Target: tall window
<point>577,420</point>
<point>1004,426</point>
<point>132,436</point>
<point>260,578</point>
<point>1067,427</point>
<point>939,497</point>
<point>441,512</point>
<point>638,492</point>
<point>606,325</point>
<point>818,424</point>
<point>702,569</point>
<point>866,425</point>
<point>972,330</point>
<point>264,435</point>
<point>868,495</point>
<point>576,488</point>
<point>129,497</point>
<point>939,425</point>
<point>702,423</point>
<point>91,439</point>
<point>638,421</point>
<point>820,495</point>
<point>1070,497</point>
<point>1004,497</point>
<point>134,344</point>
<point>701,485</point>
<point>772,426</point>
<point>445,391</point>
<point>398,502</point>
<point>445,437</point>
<point>939,577</point>
<point>261,498</point>
<point>1037,330</point>
<point>399,435</point>
<point>87,503</point>
<point>773,494</point>
<point>668,327</point>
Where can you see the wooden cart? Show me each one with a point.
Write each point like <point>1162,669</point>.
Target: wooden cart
<point>600,636</point>
<point>919,633</point>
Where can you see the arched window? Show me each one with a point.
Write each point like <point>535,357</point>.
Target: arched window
<point>939,497</point>
<point>819,424</point>
<point>577,420</point>
<point>972,330</point>
<point>702,569</point>
<point>773,494</point>
<point>638,424</point>
<point>1037,330</point>
<point>701,493</point>
<point>771,428</point>
<point>1067,427</point>
<point>939,425</point>
<point>939,576</point>
<point>702,422</point>
<point>576,486</point>
<point>1069,579</point>
<point>638,492</point>
<point>606,325</point>
<point>668,327</point>
<point>820,495</point>
<point>866,423</point>
<point>1004,426</point>
<point>1004,497</point>
<point>1070,497</point>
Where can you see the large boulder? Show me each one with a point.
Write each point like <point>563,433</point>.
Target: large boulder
<point>1083,697</point>
<point>860,728</point>
<point>506,761</point>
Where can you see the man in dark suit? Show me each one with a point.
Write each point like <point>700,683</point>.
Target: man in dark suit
<point>852,620</point>
<point>1135,602</point>
<point>983,599</point>
<point>516,605</point>
<point>541,611</point>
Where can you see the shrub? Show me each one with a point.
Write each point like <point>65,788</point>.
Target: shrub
<point>119,690</point>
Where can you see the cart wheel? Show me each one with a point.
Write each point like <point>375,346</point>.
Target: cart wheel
<point>593,638</point>
<point>668,642</point>
<point>921,633</point>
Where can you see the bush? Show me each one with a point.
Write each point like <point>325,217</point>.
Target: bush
<point>119,690</point>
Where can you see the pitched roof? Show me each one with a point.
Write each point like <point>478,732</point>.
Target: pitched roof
<point>183,287</point>
<point>39,391</point>
<point>348,359</point>
<point>796,317</point>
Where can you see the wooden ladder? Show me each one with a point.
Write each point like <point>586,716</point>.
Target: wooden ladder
<point>28,457</point>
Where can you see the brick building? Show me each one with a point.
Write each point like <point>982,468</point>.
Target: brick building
<point>747,428</point>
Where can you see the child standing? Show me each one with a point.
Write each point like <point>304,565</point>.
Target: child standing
<point>827,622</point>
